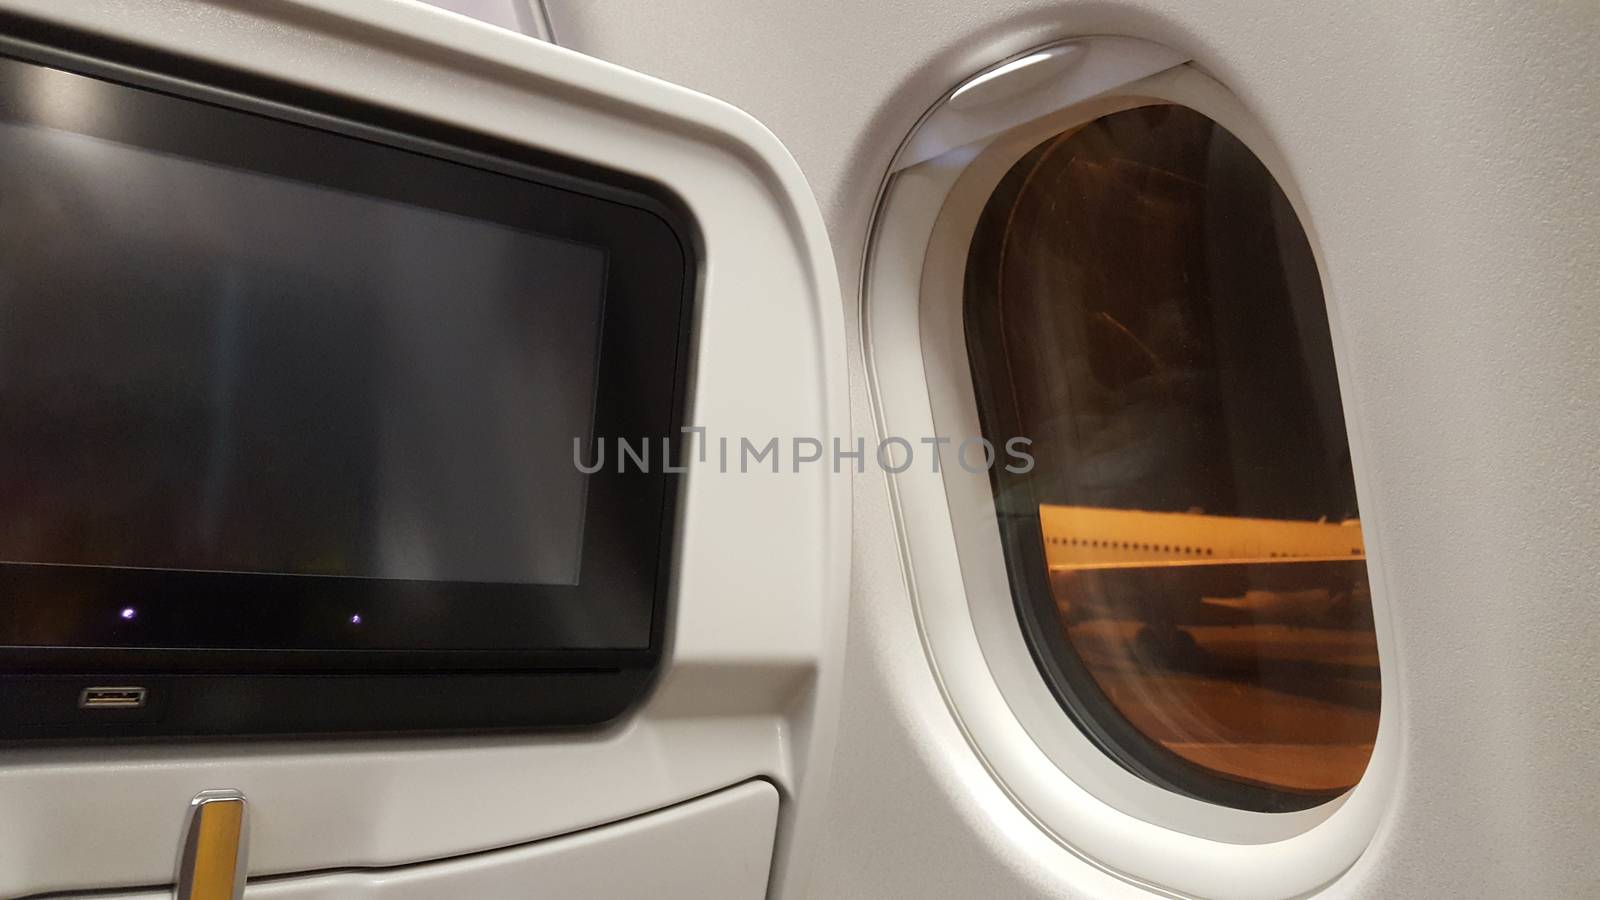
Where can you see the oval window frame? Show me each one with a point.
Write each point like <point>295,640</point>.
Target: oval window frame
<point>920,383</point>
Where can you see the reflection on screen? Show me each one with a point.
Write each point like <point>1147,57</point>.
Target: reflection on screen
<point>211,368</point>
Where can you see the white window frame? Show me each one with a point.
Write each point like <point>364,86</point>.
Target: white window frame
<point>920,381</point>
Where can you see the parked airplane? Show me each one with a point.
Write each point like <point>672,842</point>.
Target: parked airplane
<point>1170,568</point>
<point>1084,537</point>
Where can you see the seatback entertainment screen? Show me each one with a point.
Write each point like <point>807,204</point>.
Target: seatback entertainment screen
<point>293,398</point>
<point>205,367</point>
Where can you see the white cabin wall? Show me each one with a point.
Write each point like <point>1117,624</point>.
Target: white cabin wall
<point>517,15</point>
<point>1449,155</point>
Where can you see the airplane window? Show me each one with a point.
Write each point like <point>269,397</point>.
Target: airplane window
<point>1142,302</point>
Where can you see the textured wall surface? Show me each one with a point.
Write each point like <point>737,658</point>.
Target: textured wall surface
<point>516,15</point>
<point>1449,154</point>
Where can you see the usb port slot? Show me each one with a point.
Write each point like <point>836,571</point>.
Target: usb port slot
<point>112,698</point>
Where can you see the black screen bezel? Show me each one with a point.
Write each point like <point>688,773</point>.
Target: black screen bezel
<point>613,621</point>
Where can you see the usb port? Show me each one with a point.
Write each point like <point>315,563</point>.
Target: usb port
<point>112,698</point>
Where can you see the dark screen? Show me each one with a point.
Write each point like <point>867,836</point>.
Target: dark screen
<point>211,368</point>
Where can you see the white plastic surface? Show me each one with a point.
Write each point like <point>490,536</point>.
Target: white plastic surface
<point>761,570</point>
<point>1049,79</point>
<point>523,16</point>
<point>1448,153</point>
<point>714,848</point>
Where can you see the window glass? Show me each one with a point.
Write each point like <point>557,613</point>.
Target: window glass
<point>1186,553</point>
